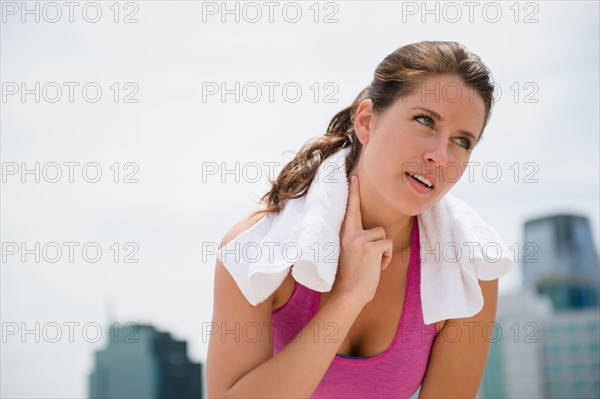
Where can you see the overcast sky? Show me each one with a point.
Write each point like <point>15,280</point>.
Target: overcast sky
<point>156,121</point>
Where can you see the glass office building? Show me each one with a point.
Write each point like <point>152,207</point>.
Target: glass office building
<point>542,353</point>
<point>552,346</point>
<point>141,362</point>
<point>572,354</point>
<point>560,261</point>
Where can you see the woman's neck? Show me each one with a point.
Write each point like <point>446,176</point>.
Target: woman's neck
<point>375,212</point>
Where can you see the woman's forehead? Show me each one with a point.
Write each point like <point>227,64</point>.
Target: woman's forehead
<point>440,89</point>
<point>449,100</point>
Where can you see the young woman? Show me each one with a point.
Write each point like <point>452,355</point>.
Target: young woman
<point>423,113</point>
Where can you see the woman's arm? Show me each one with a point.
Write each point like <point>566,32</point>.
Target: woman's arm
<point>242,364</point>
<point>460,351</point>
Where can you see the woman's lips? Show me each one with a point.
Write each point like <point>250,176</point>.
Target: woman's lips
<point>418,185</point>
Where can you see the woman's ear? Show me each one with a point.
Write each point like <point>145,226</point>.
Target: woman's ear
<point>364,120</point>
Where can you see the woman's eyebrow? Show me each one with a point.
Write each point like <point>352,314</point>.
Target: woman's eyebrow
<point>439,118</point>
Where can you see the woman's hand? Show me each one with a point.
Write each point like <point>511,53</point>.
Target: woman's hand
<point>363,255</point>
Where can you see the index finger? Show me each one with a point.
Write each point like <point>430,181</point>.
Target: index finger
<point>353,215</point>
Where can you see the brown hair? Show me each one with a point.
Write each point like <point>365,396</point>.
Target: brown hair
<point>398,75</point>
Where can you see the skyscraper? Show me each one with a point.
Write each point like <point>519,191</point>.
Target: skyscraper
<point>552,348</point>
<point>540,353</point>
<point>141,362</point>
<point>560,261</point>
<point>572,354</point>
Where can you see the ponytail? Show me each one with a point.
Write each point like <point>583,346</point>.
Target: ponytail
<point>295,178</point>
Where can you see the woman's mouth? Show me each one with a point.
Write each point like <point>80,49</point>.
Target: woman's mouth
<point>421,184</point>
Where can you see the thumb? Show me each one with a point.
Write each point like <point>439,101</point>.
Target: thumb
<point>385,262</point>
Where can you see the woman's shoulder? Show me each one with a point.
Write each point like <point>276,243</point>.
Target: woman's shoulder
<point>241,226</point>
<point>238,227</point>
<point>287,286</point>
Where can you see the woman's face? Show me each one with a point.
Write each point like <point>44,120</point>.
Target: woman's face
<point>424,134</point>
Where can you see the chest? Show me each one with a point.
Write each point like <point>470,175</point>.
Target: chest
<point>374,329</point>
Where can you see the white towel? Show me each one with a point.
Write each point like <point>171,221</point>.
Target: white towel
<point>456,247</point>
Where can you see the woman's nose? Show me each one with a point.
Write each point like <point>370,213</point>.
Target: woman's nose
<point>438,151</point>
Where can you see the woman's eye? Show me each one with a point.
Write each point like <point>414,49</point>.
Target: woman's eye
<point>425,118</point>
<point>466,143</point>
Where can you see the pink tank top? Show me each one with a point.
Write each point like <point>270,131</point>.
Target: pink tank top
<point>395,373</point>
